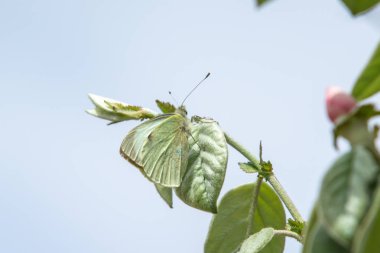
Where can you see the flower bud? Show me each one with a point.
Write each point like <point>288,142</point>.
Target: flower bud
<point>338,103</point>
<point>115,111</point>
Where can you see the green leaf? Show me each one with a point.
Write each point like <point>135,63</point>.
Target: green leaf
<point>115,111</point>
<point>228,227</point>
<point>317,239</point>
<point>359,6</point>
<point>249,167</point>
<point>345,194</point>
<point>368,83</point>
<point>166,194</point>
<point>256,242</point>
<point>367,236</point>
<point>206,166</point>
<point>165,107</point>
<point>309,227</point>
<point>261,2</point>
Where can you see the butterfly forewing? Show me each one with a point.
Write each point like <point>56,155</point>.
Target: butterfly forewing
<point>160,147</point>
<point>132,144</point>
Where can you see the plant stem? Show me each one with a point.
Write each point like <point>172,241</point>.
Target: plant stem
<point>255,195</point>
<point>242,150</point>
<point>285,198</point>
<point>272,179</point>
<point>289,234</point>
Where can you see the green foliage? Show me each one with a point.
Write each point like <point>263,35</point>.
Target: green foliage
<point>368,84</point>
<point>115,111</point>
<point>318,240</point>
<point>206,166</point>
<point>296,226</point>
<point>166,194</point>
<point>191,159</point>
<point>261,2</point>
<point>367,236</point>
<point>256,242</point>
<point>359,6</point>
<point>345,194</point>
<point>266,167</point>
<point>249,167</point>
<point>165,107</point>
<point>322,242</point>
<point>228,227</point>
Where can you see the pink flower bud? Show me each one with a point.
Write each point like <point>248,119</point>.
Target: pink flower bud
<point>338,103</point>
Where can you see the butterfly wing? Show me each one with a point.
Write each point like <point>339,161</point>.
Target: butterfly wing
<point>160,148</point>
<point>165,154</point>
<point>132,144</point>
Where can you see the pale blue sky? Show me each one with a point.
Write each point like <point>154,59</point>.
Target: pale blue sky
<point>64,186</point>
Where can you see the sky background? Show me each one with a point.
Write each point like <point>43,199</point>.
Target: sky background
<point>64,186</point>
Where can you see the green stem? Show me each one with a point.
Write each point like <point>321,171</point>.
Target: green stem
<point>285,198</point>
<point>242,150</point>
<point>255,196</point>
<point>272,179</point>
<point>289,234</point>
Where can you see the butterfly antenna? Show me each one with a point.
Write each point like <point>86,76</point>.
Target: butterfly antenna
<point>175,100</point>
<point>208,74</point>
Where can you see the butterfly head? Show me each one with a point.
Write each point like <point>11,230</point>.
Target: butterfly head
<point>181,110</point>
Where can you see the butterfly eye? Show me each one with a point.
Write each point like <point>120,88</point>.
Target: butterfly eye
<point>182,110</point>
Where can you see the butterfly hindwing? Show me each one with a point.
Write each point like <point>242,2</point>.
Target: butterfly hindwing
<point>160,148</point>
<point>166,152</point>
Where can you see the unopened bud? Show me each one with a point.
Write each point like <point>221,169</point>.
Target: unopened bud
<point>116,111</point>
<point>338,103</point>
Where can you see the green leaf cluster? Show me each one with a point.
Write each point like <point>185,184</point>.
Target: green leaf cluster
<point>346,216</point>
